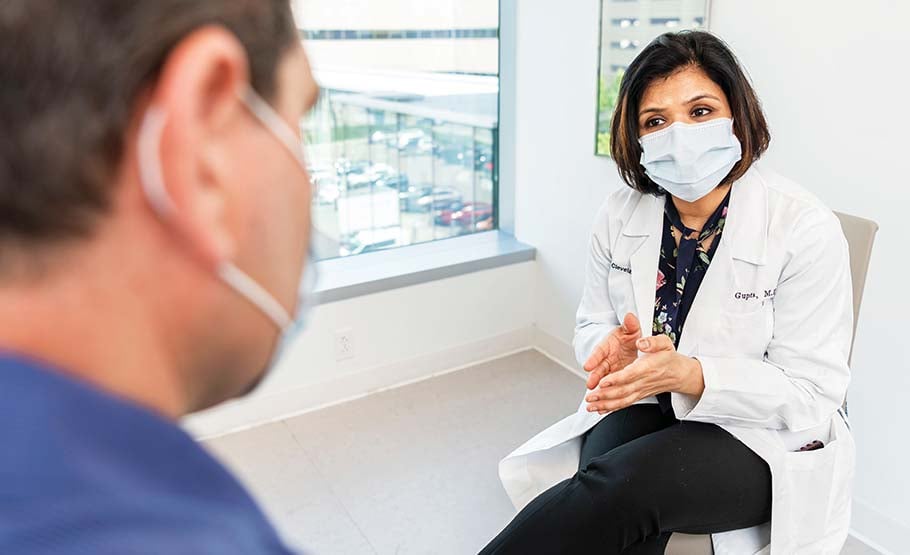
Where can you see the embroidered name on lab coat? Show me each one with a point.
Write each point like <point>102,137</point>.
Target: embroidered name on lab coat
<point>620,268</point>
<point>766,295</point>
<point>745,296</point>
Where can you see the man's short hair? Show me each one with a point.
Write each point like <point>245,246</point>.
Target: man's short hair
<point>71,72</point>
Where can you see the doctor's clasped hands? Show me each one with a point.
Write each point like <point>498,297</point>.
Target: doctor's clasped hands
<point>619,376</point>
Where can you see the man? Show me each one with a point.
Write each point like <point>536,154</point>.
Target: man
<point>154,224</point>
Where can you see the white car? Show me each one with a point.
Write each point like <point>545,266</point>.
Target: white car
<point>370,240</point>
<point>326,185</point>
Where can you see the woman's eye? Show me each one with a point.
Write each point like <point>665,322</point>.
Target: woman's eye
<point>701,112</point>
<point>654,122</point>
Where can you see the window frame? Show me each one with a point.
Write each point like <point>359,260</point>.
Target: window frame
<point>362,274</point>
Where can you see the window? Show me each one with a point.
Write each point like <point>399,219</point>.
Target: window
<point>627,27</point>
<point>625,23</point>
<point>669,22</point>
<point>402,146</point>
<point>625,44</point>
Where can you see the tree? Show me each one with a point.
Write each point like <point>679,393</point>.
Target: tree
<point>606,104</point>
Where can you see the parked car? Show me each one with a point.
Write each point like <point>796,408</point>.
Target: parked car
<point>483,159</point>
<point>327,191</point>
<point>451,154</point>
<point>415,141</point>
<point>465,215</point>
<point>399,182</point>
<point>456,155</point>
<point>363,173</point>
<point>387,138</point>
<point>430,198</point>
<point>370,240</point>
<point>326,186</point>
<point>343,165</point>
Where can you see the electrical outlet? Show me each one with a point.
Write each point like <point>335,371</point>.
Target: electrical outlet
<point>344,344</point>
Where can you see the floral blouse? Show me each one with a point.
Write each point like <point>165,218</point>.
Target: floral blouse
<point>681,270</point>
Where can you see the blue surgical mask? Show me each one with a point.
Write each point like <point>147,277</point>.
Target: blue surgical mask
<point>690,160</point>
<point>289,325</point>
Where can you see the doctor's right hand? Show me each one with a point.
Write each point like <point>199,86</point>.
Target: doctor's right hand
<point>615,352</point>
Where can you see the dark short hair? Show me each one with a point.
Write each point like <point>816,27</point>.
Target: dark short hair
<point>71,72</point>
<point>664,56</point>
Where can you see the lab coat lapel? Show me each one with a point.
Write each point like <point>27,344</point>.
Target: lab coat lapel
<point>746,230</point>
<point>744,240</point>
<point>645,227</point>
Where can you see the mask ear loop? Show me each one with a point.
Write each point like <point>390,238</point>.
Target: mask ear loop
<point>255,293</point>
<point>152,182</point>
<point>272,121</point>
<point>150,176</point>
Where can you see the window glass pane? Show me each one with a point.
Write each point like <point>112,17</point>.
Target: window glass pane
<point>415,143</point>
<point>484,178</point>
<point>401,144</point>
<point>454,151</point>
<point>627,27</point>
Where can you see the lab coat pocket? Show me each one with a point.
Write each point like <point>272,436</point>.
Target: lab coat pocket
<point>808,478</point>
<point>737,333</point>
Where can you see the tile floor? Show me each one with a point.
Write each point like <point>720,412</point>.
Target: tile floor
<point>410,471</point>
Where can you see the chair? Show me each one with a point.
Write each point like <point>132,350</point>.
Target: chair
<point>860,235</point>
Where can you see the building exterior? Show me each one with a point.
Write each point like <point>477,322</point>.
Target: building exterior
<point>403,142</point>
<point>627,26</point>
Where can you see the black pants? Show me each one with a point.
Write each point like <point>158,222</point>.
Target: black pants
<point>642,476</point>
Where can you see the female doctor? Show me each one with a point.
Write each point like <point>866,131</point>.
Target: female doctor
<point>715,326</point>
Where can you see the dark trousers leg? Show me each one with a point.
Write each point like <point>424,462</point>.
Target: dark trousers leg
<point>619,428</point>
<point>631,423</point>
<point>652,476</point>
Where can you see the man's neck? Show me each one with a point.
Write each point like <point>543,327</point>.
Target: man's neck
<point>90,334</point>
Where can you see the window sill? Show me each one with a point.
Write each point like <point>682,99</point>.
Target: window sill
<point>365,274</point>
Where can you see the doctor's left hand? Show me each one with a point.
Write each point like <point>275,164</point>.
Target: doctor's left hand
<point>659,369</point>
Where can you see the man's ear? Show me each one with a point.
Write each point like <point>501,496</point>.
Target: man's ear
<point>198,92</point>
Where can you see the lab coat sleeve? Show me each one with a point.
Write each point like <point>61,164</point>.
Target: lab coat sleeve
<point>802,379</point>
<point>596,317</point>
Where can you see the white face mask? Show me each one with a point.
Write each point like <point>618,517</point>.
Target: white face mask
<point>690,160</point>
<point>235,278</point>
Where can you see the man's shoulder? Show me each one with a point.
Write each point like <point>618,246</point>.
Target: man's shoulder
<point>147,525</point>
<point>64,432</point>
<point>81,468</point>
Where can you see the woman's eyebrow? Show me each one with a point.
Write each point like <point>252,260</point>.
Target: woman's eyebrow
<point>702,97</point>
<point>650,109</point>
<point>690,101</point>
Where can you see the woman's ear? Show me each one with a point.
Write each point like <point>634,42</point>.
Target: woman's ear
<point>198,91</point>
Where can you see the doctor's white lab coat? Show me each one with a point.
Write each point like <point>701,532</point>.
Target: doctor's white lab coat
<point>771,325</point>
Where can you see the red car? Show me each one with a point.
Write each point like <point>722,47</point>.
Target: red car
<point>465,215</point>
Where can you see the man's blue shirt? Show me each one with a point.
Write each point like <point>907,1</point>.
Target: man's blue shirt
<point>83,472</point>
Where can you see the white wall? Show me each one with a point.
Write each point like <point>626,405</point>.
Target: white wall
<point>833,76</point>
<point>560,183</point>
<point>399,336</point>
